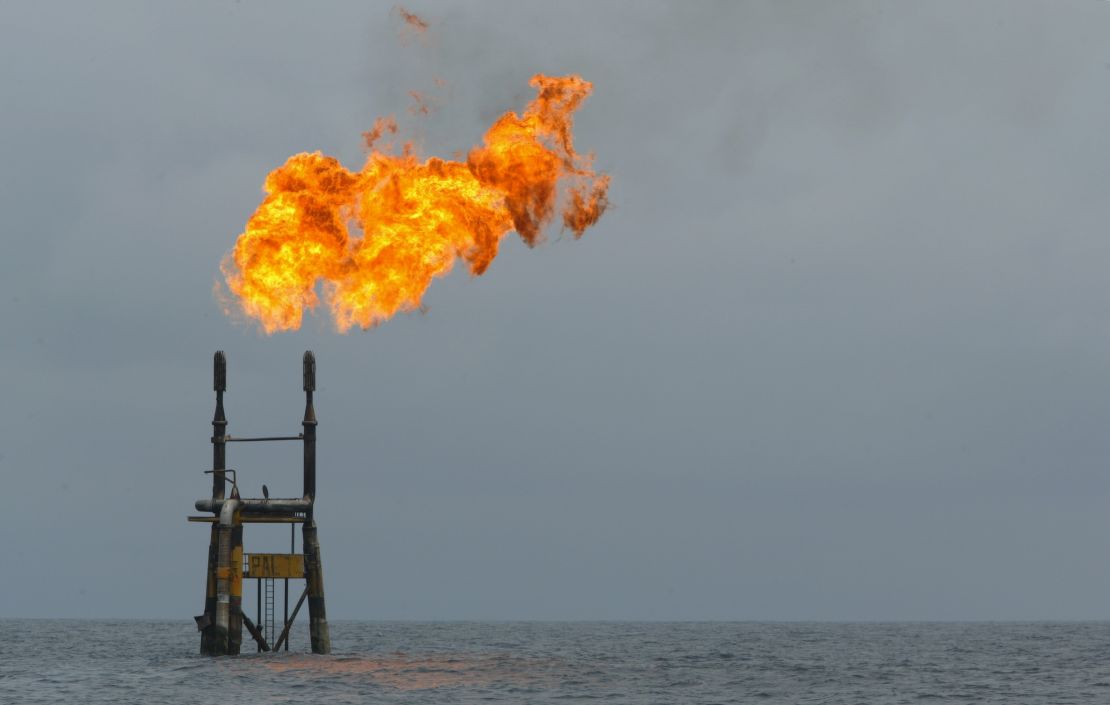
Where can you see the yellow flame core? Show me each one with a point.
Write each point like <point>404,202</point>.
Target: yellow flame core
<point>415,218</point>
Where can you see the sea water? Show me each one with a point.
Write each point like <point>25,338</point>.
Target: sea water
<point>134,661</point>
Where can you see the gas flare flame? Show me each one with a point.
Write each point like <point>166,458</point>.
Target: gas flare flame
<point>412,20</point>
<point>411,219</point>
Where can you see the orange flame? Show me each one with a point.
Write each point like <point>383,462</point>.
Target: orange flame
<point>421,105</point>
<point>415,217</point>
<point>414,26</point>
<point>381,126</point>
<point>412,19</point>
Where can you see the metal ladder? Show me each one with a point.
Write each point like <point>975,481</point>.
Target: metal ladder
<point>267,625</point>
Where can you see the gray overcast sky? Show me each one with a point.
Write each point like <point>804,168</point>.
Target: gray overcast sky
<point>838,351</point>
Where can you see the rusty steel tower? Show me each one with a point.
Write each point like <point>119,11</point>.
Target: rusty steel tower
<point>221,625</point>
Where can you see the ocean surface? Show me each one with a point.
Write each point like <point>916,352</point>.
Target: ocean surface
<point>132,661</point>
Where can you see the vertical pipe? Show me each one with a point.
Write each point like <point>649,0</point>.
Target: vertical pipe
<point>258,612</point>
<point>207,632</point>
<point>219,430</point>
<point>235,616</point>
<point>226,572</point>
<point>223,593</point>
<point>318,632</point>
<point>309,424</point>
<point>314,572</point>
<point>219,425</point>
<point>292,550</point>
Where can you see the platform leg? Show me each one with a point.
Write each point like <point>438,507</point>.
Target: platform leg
<point>235,618</point>
<point>314,578</point>
<point>207,621</point>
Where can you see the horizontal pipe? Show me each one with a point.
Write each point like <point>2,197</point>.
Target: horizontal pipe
<point>256,519</point>
<point>257,506</point>
<point>237,439</point>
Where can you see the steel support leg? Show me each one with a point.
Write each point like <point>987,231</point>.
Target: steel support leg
<point>314,577</point>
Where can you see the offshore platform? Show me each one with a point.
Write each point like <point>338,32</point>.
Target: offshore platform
<point>221,625</point>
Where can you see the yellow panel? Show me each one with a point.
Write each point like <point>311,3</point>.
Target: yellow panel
<point>274,565</point>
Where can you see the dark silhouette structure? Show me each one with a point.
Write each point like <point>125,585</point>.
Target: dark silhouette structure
<point>221,625</point>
